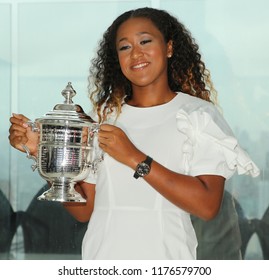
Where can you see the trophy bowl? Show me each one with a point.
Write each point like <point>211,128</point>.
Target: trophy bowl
<point>68,149</point>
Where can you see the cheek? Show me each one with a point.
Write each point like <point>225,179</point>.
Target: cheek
<point>157,53</point>
<point>160,57</point>
<point>123,61</point>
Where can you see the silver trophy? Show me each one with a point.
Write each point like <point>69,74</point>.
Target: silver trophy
<point>68,149</point>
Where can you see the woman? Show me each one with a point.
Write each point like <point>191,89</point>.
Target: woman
<point>168,151</point>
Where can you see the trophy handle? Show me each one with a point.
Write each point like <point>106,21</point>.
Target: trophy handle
<point>33,126</point>
<point>28,155</point>
<point>98,153</point>
<point>95,164</point>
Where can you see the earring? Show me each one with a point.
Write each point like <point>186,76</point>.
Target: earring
<point>169,55</point>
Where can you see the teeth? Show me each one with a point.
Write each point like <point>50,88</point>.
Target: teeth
<point>140,65</point>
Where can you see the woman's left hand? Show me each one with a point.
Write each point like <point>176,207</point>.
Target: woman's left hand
<point>115,142</point>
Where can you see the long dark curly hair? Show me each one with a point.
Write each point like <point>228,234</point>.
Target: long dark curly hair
<point>186,71</point>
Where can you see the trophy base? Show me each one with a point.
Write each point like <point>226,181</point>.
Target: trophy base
<point>62,193</point>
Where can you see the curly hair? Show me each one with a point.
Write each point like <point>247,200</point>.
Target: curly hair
<point>186,71</point>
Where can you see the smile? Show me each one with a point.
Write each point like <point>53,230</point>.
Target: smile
<point>140,65</point>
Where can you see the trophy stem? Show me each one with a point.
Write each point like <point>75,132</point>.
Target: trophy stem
<point>62,192</point>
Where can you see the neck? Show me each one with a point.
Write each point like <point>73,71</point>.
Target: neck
<point>149,97</point>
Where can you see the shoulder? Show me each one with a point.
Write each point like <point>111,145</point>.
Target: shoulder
<point>191,104</point>
<point>200,115</point>
<point>210,138</point>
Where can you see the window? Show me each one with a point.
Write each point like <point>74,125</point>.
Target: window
<point>48,44</point>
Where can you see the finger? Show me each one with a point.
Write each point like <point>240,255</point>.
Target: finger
<point>15,120</point>
<point>102,141</point>
<point>16,133</point>
<point>104,147</point>
<point>17,141</point>
<point>20,117</point>
<point>17,128</point>
<point>19,120</point>
<point>107,127</point>
<point>104,134</point>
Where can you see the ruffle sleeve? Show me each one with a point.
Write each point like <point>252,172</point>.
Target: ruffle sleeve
<point>210,146</point>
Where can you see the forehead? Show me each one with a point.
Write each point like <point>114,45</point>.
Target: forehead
<point>137,26</point>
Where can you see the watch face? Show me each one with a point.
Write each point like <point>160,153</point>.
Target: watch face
<point>143,169</point>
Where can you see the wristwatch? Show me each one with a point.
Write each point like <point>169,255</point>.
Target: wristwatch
<point>143,168</point>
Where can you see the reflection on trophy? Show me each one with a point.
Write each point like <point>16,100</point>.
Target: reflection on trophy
<point>68,150</point>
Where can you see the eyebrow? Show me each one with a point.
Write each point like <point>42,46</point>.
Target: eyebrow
<point>139,33</point>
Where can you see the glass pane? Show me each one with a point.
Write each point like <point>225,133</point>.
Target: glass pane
<point>55,42</point>
<point>234,48</point>
<point>48,44</point>
<point>6,229</point>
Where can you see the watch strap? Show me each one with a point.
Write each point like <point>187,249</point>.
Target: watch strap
<point>147,162</point>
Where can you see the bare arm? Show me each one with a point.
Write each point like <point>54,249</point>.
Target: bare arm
<point>200,196</point>
<point>82,211</point>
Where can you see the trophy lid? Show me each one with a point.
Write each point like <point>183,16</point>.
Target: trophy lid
<point>67,111</point>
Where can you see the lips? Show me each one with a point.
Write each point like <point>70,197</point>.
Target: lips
<point>139,66</point>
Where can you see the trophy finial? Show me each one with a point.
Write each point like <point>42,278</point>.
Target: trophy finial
<point>68,93</point>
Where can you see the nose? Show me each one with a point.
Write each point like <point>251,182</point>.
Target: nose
<point>136,52</point>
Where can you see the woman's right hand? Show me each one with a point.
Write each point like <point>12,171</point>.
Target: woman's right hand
<point>20,133</point>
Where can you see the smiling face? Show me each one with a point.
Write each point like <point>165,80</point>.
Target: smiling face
<point>142,52</point>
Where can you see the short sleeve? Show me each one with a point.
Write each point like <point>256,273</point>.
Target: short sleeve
<point>210,146</point>
<point>91,178</point>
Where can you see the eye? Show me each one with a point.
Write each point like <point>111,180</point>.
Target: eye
<point>143,42</point>
<point>123,48</point>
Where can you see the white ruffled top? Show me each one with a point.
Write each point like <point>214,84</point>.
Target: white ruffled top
<point>130,219</point>
<point>209,135</point>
